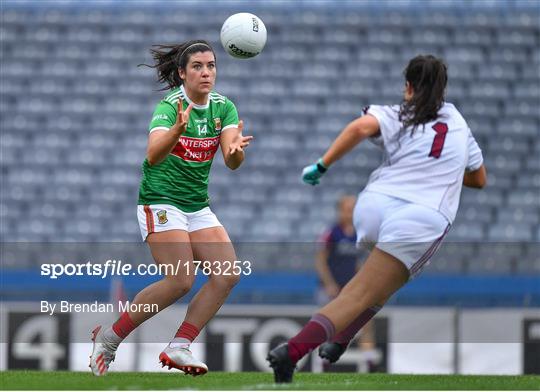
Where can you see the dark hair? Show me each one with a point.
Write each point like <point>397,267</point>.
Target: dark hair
<point>428,78</point>
<point>170,58</point>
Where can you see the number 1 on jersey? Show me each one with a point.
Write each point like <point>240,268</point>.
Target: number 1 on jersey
<point>438,142</point>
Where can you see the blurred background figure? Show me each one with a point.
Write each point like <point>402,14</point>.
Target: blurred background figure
<point>338,258</point>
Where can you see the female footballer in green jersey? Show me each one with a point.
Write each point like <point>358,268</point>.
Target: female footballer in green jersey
<point>187,127</point>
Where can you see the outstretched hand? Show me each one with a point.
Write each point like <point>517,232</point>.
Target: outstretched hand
<point>182,117</point>
<point>241,141</point>
<point>312,174</point>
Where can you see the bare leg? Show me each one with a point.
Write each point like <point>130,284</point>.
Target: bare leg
<point>177,354</point>
<point>212,244</point>
<point>168,248</point>
<point>380,277</point>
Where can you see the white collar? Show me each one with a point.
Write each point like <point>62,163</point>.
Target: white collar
<point>196,106</point>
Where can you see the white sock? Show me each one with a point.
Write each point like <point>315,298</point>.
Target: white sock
<point>111,337</point>
<point>179,343</point>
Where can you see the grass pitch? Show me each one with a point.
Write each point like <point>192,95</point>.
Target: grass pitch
<point>34,380</point>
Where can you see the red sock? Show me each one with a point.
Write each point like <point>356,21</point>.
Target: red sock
<point>187,331</point>
<point>345,336</point>
<point>317,331</point>
<point>123,326</point>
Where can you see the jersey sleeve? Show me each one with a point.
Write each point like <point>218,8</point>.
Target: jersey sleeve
<point>230,116</point>
<point>475,154</point>
<point>387,117</point>
<point>163,118</point>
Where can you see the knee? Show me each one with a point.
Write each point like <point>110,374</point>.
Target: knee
<point>225,282</point>
<point>180,287</point>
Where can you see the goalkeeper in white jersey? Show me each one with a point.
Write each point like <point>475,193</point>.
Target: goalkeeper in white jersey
<point>402,214</point>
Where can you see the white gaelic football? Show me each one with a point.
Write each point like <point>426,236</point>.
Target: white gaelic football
<point>243,35</point>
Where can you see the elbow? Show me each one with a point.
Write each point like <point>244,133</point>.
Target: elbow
<point>482,183</point>
<point>478,185</point>
<point>152,160</point>
<point>233,166</point>
<point>234,163</point>
<point>476,179</point>
<point>362,133</point>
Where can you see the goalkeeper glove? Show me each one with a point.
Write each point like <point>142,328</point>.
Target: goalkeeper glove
<point>312,173</point>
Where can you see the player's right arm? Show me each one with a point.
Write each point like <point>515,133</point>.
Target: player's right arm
<point>162,141</point>
<point>356,131</point>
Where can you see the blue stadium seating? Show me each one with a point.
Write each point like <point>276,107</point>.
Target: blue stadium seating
<point>75,108</point>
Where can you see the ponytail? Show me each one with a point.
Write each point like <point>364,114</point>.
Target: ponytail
<point>168,59</point>
<point>428,77</point>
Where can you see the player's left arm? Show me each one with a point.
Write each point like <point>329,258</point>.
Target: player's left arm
<point>476,178</point>
<point>232,144</point>
<point>475,173</point>
<point>356,131</point>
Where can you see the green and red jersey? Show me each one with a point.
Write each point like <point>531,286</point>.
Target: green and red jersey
<point>182,178</point>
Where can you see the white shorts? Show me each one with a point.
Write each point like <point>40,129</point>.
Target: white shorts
<point>410,232</point>
<point>162,217</point>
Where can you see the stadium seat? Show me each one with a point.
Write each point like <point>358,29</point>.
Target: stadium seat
<point>452,257</point>
<point>530,180</point>
<point>490,263</point>
<point>520,214</point>
<point>510,232</point>
<point>466,232</point>
<point>529,198</point>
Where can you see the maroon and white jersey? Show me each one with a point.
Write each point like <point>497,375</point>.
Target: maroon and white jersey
<point>426,167</point>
